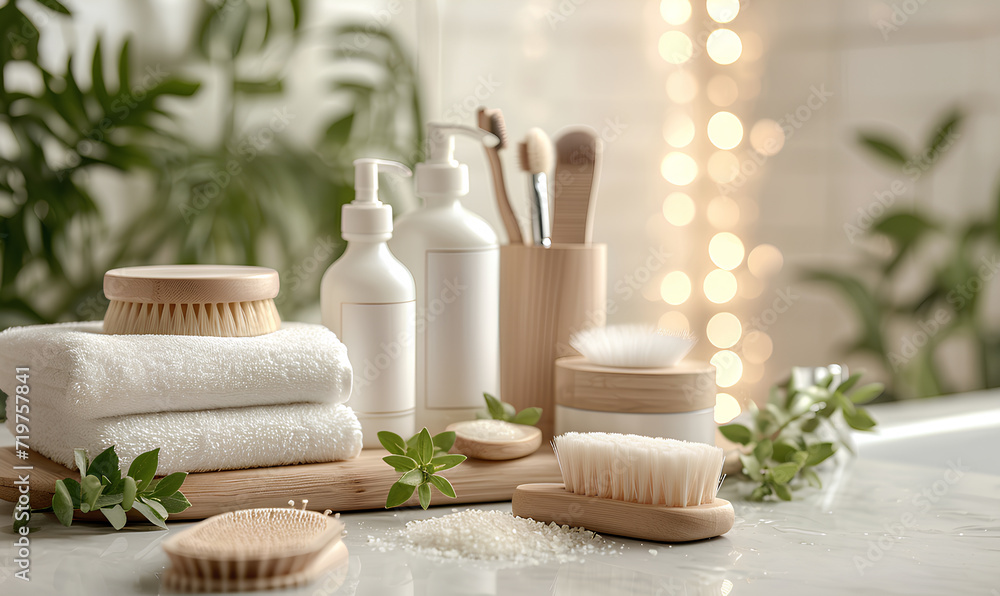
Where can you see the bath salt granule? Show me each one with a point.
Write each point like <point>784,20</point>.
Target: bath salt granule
<point>497,536</point>
<point>490,430</point>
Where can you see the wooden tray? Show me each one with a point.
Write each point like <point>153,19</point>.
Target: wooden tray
<point>357,484</point>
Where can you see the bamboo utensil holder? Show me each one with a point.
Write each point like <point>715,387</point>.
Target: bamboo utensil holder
<point>546,295</point>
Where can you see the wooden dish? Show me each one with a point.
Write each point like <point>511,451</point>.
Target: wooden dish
<point>528,441</point>
<point>553,503</point>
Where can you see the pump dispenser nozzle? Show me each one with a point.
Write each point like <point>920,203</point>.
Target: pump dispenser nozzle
<point>441,176</point>
<point>366,214</point>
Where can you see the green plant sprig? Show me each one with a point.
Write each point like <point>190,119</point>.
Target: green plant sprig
<point>782,446</point>
<point>102,487</point>
<point>501,410</point>
<point>419,459</point>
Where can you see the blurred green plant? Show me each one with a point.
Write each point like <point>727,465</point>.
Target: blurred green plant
<point>903,328</point>
<point>247,195</point>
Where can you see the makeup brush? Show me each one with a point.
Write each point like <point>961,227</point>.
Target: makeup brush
<point>491,120</point>
<point>535,155</point>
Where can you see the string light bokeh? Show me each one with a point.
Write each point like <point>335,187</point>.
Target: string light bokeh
<point>709,148</point>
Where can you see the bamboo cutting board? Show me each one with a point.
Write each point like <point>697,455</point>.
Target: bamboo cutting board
<point>360,483</point>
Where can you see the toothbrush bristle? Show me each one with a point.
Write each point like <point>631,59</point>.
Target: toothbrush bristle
<point>540,155</point>
<point>637,469</point>
<point>497,126</point>
<point>632,346</point>
<point>522,156</point>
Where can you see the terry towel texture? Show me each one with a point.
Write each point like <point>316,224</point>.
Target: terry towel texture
<point>78,370</point>
<point>229,439</point>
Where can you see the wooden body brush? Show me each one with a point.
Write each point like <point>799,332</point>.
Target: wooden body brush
<point>627,485</point>
<point>214,300</point>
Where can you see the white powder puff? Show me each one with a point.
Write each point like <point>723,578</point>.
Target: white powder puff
<point>496,536</point>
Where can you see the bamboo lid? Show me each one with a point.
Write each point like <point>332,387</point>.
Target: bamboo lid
<point>191,284</point>
<point>686,387</point>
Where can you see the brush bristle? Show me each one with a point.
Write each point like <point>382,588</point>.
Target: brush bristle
<point>638,469</point>
<point>538,153</point>
<point>497,126</point>
<point>232,319</point>
<point>632,346</point>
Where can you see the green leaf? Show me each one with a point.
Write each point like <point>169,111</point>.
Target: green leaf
<point>424,494</point>
<point>859,419</point>
<point>441,483</point>
<point>444,441</point>
<point>425,446</point>
<point>867,393</point>
<point>398,494</point>
<point>107,501</point>
<point>810,425</point>
<point>175,503</point>
<point>906,228</point>
<point>62,504</point>
<point>155,506</point>
<point>149,513</point>
<point>115,515</point>
<point>865,304</point>
<point>528,416</point>
<point>446,462</point>
<point>339,132</point>
<point>760,492</point>
<point>392,442</point>
<point>884,148</point>
<point>736,433</point>
<point>784,493</point>
<point>412,478</point>
<point>783,451</point>
<point>819,452</point>
<point>783,473</point>
<point>82,463</point>
<point>763,450</point>
<point>90,489</point>
<point>494,406</point>
<point>123,69</point>
<point>751,467</point>
<point>74,491</point>
<point>128,492</point>
<point>105,465</point>
<point>508,411</point>
<point>143,468</point>
<point>266,87</point>
<point>849,383</point>
<point>400,463</point>
<point>799,458</point>
<point>169,485</point>
<point>943,133</point>
<point>812,477</point>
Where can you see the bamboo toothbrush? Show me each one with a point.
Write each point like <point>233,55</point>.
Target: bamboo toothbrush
<point>640,487</point>
<point>216,300</point>
<point>492,121</point>
<point>578,171</point>
<point>535,155</point>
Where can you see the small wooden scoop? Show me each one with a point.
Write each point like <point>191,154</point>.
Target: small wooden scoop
<point>495,439</point>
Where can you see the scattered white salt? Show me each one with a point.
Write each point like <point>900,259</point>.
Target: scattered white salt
<point>495,536</point>
<point>653,551</point>
<point>489,430</point>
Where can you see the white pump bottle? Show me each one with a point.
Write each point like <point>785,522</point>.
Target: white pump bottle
<point>455,260</point>
<point>367,298</point>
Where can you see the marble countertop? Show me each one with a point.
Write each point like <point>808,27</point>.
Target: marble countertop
<point>917,512</point>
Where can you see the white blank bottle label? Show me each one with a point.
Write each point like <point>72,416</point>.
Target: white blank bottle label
<point>462,319</point>
<point>382,350</point>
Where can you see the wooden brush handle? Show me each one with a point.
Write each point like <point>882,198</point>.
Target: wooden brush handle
<point>553,503</point>
<point>499,187</point>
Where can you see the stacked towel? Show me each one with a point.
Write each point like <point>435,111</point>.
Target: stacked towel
<point>208,403</point>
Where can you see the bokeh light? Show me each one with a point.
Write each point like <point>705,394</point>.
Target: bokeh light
<point>675,12</point>
<point>723,213</point>
<point>725,130</point>
<point>757,347</point>
<point>720,286</point>
<point>723,167</point>
<point>675,47</point>
<point>723,11</point>
<point>682,86</point>
<point>726,408</point>
<point>722,90</point>
<point>724,330</point>
<point>765,261</point>
<point>766,137</point>
<point>726,250</point>
<point>675,288</point>
<point>723,46</point>
<point>728,368</point>
<point>674,321</point>
<point>678,129</point>
<point>679,168</point>
<point>678,209</point>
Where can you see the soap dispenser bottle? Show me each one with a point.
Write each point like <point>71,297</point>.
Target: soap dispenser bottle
<point>367,298</point>
<point>455,260</point>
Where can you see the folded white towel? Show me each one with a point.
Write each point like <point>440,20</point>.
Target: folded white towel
<point>76,368</point>
<point>230,439</point>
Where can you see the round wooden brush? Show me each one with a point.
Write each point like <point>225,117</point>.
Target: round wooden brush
<point>211,300</point>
